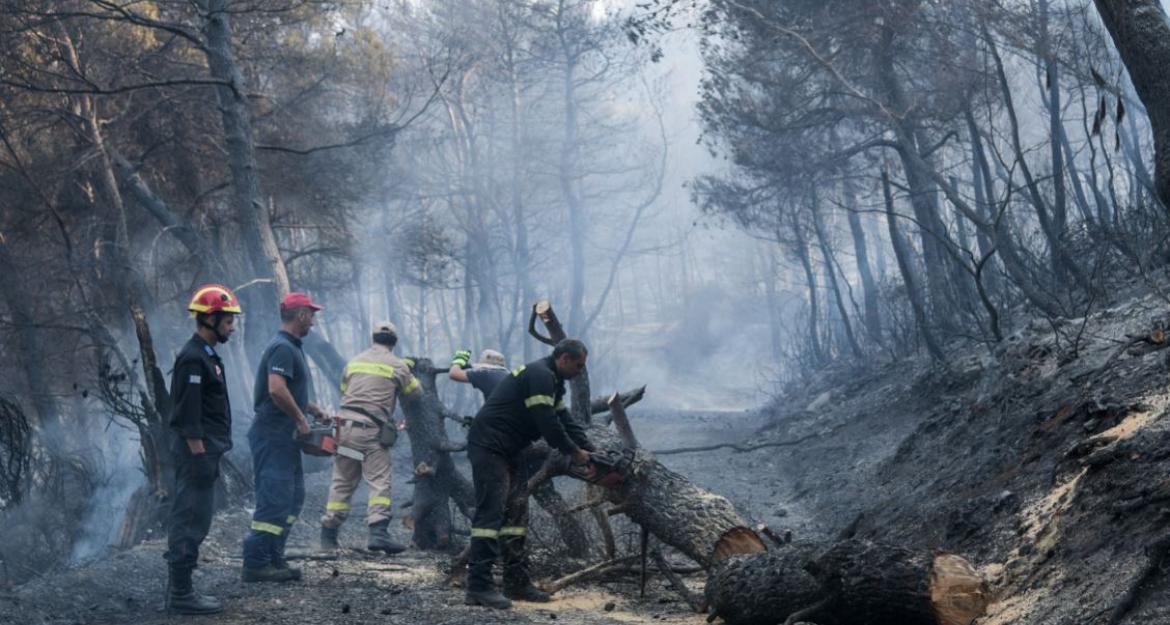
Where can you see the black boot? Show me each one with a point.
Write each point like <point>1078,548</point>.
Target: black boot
<point>268,573</point>
<point>182,598</point>
<point>480,588</point>
<point>521,588</point>
<point>487,598</point>
<point>517,584</point>
<point>380,539</point>
<point>329,539</point>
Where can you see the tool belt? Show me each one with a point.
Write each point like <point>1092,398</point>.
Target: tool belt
<point>387,430</point>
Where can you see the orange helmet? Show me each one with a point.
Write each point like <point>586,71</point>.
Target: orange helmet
<point>213,298</point>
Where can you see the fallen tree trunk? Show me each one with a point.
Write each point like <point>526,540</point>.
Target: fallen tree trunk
<point>700,524</point>
<point>899,586</point>
<point>853,581</point>
<point>436,480</point>
<point>761,589</point>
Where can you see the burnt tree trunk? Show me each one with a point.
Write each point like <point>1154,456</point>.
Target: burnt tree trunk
<point>1141,32</point>
<point>700,524</point>
<point>761,589</point>
<point>436,480</point>
<point>854,581</point>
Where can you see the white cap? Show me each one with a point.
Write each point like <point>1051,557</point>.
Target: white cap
<point>385,327</point>
<point>492,358</point>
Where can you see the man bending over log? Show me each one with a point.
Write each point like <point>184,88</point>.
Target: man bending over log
<point>525,406</point>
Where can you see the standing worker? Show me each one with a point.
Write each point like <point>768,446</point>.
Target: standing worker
<point>369,387</point>
<point>527,405</point>
<point>281,401</point>
<point>484,376</point>
<point>202,422</point>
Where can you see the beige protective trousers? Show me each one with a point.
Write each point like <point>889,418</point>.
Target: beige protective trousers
<point>375,469</point>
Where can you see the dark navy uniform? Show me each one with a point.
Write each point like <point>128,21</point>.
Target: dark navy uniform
<point>201,410</point>
<point>525,406</point>
<point>486,379</point>
<point>276,456</point>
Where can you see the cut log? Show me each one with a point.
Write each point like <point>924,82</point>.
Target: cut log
<point>699,523</point>
<point>436,480</point>
<point>762,589</point>
<point>891,585</point>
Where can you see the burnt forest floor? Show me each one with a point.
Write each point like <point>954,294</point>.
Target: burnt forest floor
<point>1044,460</point>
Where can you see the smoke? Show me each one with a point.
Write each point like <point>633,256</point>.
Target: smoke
<point>121,475</point>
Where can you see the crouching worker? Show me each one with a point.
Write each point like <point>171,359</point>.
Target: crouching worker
<point>202,421</point>
<point>369,386</point>
<point>525,406</point>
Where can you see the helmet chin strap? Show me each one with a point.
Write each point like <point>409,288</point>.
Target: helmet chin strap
<point>214,325</point>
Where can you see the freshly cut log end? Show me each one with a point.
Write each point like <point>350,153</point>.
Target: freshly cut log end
<point>737,541</point>
<point>762,588</point>
<point>889,585</point>
<point>959,593</point>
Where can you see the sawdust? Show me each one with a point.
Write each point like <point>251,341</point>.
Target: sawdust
<point>1134,423</point>
<point>591,603</point>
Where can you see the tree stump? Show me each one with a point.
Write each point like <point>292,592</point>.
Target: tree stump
<point>436,480</point>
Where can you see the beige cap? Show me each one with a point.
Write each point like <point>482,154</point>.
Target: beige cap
<point>385,327</point>
<point>492,358</point>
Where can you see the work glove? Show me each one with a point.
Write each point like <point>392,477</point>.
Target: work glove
<point>204,468</point>
<point>461,359</point>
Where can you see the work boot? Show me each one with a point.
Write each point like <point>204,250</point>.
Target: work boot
<point>526,592</point>
<point>487,598</point>
<point>182,598</point>
<point>380,539</point>
<point>267,573</point>
<point>281,565</point>
<point>329,539</point>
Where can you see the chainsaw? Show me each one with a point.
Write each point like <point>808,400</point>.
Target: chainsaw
<point>605,468</point>
<point>320,441</point>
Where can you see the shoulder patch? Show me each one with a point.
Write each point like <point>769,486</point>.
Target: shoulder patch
<point>194,379</point>
<point>210,352</point>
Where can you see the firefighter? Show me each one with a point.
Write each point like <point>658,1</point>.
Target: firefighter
<point>202,422</point>
<point>367,432</point>
<point>527,405</point>
<point>281,399</point>
<point>484,376</point>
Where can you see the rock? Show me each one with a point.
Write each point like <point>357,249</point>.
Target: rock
<point>780,513</point>
<point>820,402</point>
<point>610,606</point>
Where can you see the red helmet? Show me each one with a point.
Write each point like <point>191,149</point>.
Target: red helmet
<point>213,298</point>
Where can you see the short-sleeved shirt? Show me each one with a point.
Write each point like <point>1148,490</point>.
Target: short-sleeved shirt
<point>485,379</point>
<point>199,394</point>
<point>283,356</point>
<point>370,384</point>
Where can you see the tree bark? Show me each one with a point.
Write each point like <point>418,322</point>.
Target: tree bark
<point>905,265</point>
<point>259,299</point>
<point>831,270</point>
<point>1141,31</point>
<point>436,480</point>
<point>873,323</point>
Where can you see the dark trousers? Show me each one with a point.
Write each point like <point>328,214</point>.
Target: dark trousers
<point>280,495</point>
<point>501,518</point>
<point>192,506</point>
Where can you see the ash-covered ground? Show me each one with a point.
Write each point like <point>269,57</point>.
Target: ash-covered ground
<point>1044,461</point>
